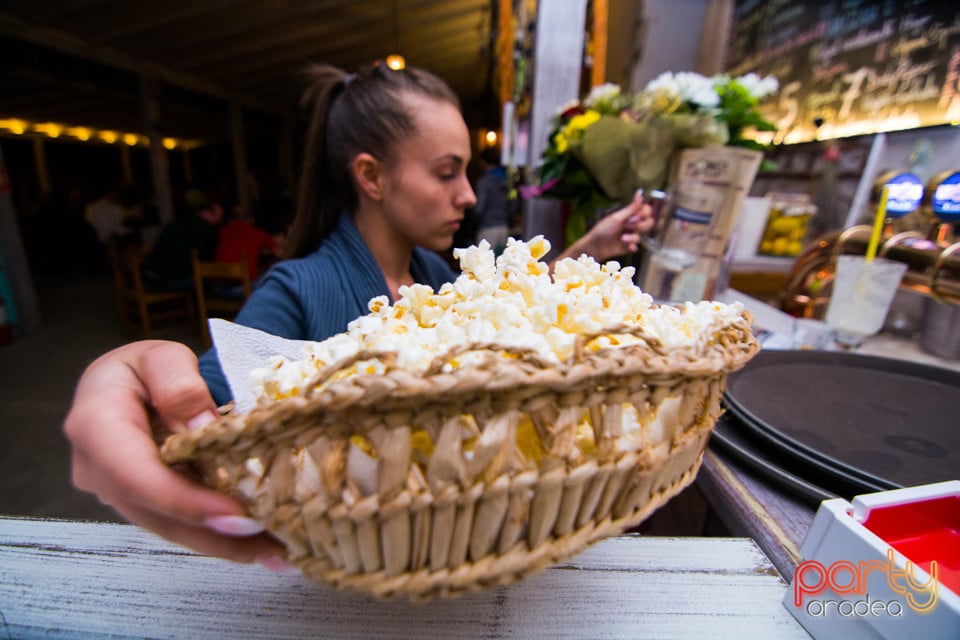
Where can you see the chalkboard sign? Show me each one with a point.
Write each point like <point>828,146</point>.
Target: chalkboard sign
<point>854,66</point>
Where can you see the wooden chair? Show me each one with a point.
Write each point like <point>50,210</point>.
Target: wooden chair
<point>210,279</point>
<point>141,307</point>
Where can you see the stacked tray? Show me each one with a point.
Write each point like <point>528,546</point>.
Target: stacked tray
<point>826,424</point>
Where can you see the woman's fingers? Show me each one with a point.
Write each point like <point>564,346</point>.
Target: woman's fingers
<point>257,548</point>
<point>616,234</point>
<point>147,376</point>
<point>173,385</point>
<point>157,498</point>
<point>630,241</point>
<point>115,455</point>
<point>115,450</point>
<point>639,217</point>
<point>123,464</point>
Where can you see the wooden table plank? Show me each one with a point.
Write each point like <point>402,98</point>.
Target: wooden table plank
<point>79,579</point>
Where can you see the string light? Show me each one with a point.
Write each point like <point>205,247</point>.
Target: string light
<point>80,133</point>
<point>88,134</point>
<point>13,125</point>
<point>48,128</point>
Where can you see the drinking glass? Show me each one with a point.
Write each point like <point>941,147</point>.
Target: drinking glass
<point>811,334</point>
<point>659,202</point>
<point>682,223</point>
<point>862,292</point>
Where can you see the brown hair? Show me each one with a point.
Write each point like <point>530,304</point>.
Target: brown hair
<point>349,115</point>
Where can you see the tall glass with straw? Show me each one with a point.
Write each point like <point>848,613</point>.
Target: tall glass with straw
<point>863,288</point>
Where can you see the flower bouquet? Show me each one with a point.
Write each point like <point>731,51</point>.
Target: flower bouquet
<point>605,147</point>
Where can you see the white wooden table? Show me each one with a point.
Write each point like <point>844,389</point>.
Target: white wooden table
<point>81,580</point>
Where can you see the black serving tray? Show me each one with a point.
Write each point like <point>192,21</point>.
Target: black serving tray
<point>732,440</point>
<point>844,422</point>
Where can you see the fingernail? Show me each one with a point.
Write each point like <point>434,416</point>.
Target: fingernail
<point>201,420</point>
<point>278,565</point>
<point>237,526</point>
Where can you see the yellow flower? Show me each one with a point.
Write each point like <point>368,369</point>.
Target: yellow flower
<point>560,142</point>
<point>579,123</point>
<point>573,130</point>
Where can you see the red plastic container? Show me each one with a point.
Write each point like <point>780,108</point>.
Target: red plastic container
<point>923,531</point>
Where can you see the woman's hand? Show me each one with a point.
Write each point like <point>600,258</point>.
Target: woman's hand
<point>615,234</point>
<point>116,458</point>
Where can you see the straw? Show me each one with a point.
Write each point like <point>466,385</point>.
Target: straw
<point>877,226</point>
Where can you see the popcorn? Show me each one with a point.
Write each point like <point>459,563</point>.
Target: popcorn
<point>510,300</point>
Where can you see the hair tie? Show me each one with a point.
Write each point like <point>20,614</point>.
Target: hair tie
<point>347,79</point>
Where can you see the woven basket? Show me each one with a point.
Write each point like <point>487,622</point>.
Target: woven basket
<point>469,519</point>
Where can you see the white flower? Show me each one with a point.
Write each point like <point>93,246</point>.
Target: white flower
<point>607,92</point>
<point>664,82</point>
<point>688,86</point>
<point>697,89</point>
<point>758,87</point>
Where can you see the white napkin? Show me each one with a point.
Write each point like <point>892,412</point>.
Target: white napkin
<point>241,350</point>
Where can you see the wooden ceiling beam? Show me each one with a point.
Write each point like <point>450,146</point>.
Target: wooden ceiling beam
<point>349,51</point>
<point>445,59</point>
<point>242,25</point>
<point>448,42</point>
<point>348,60</point>
<point>425,12</point>
<point>254,40</point>
<point>256,48</point>
<point>44,78</point>
<point>47,11</point>
<point>16,28</point>
<point>34,93</point>
<point>140,21</point>
<point>461,69</point>
<point>332,36</point>
<point>51,101</point>
<point>100,24</point>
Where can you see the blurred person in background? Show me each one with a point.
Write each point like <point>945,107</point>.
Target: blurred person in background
<point>494,207</point>
<point>241,240</point>
<point>169,265</point>
<point>106,215</point>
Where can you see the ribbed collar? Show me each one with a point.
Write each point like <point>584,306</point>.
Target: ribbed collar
<point>357,265</point>
<point>355,262</point>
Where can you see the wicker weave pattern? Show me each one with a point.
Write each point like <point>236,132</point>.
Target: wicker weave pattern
<point>464,520</point>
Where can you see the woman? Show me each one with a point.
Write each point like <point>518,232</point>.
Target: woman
<point>384,186</point>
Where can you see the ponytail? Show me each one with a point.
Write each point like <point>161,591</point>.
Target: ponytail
<point>317,209</point>
<point>349,115</point>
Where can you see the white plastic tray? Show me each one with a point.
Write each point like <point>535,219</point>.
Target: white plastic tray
<point>853,584</point>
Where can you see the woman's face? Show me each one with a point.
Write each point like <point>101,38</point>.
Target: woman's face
<point>425,186</point>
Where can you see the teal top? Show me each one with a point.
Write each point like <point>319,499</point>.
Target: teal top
<point>317,296</point>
